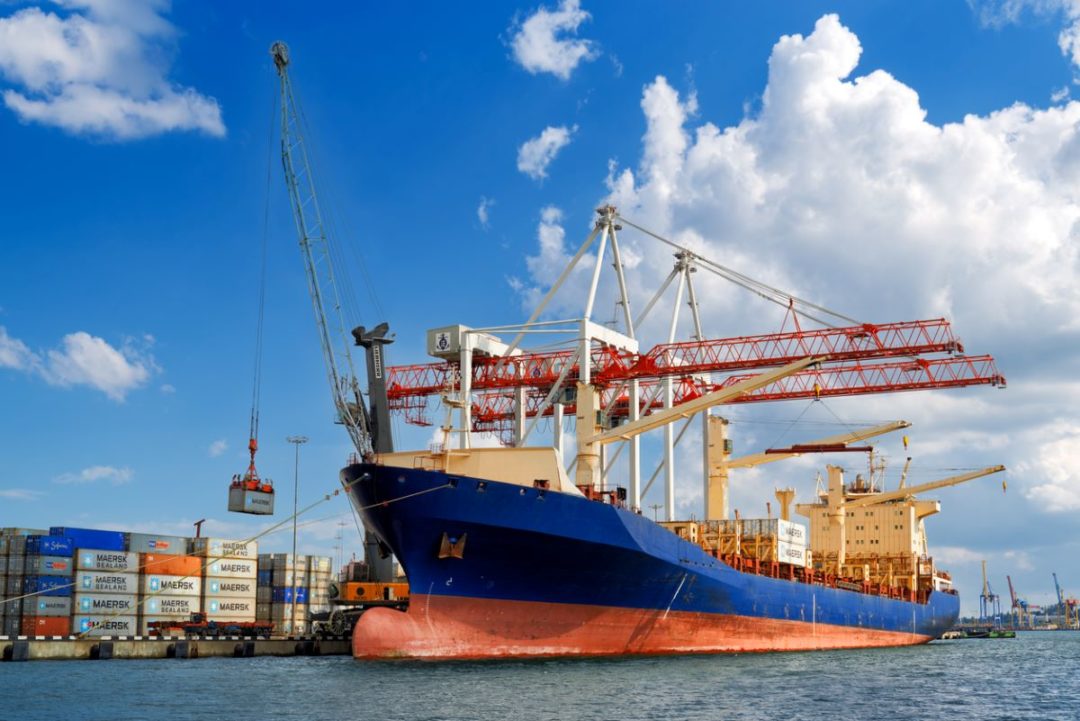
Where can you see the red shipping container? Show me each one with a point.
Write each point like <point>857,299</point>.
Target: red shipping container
<point>46,626</point>
<point>162,565</point>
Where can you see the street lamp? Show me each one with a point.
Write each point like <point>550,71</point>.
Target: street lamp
<point>296,441</point>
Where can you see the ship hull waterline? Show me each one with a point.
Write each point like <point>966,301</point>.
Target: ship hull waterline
<point>552,574</point>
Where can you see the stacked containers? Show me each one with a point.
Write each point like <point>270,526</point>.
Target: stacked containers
<point>319,569</point>
<point>285,570</point>
<point>106,583</point>
<point>230,572</point>
<point>12,565</point>
<point>48,571</point>
<point>170,586</point>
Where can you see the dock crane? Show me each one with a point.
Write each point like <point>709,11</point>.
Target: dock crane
<point>989,602</point>
<point>317,253</point>
<point>1019,607</point>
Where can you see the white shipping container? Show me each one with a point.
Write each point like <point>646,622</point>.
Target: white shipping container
<point>791,553</point>
<point>232,568</point>
<point>235,608</point>
<point>97,626</point>
<point>97,604</point>
<point>96,582</point>
<point>50,606</point>
<point>793,533</point>
<point>172,605</point>
<point>91,560</point>
<point>224,548</point>
<point>319,564</point>
<point>152,583</point>
<point>230,587</point>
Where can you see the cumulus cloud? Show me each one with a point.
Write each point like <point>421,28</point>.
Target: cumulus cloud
<point>218,447</point>
<point>540,44</point>
<point>483,211</point>
<point>839,190</point>
<point>110,474</point>
<point>536,154</point>
<point>99,68</point>
<point>84,360</point>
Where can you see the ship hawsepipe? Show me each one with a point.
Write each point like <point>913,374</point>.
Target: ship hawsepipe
<point>499,569</point>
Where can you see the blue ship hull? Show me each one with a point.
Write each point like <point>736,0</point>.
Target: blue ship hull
<point>497,569</point>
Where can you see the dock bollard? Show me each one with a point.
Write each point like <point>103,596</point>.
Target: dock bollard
<point>17,651</point>
<point>101,651</point>
<point>244,650</point>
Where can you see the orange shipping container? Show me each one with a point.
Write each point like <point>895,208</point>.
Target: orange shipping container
<point>46,626</point>
<point>160,564</point>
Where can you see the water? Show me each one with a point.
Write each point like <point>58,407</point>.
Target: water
<point>1031,677</point>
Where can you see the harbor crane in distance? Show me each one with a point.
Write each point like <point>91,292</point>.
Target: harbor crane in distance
<point>1020,615</point>
<point>989,602</point>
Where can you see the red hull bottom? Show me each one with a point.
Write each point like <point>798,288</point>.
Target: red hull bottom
<point>444,627</point>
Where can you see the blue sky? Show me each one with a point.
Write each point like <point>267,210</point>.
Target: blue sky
<point>893,161</point>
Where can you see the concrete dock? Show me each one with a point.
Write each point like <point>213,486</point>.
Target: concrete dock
<point>38,648</point>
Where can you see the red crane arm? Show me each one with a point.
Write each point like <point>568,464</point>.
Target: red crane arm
<point>726,355</point>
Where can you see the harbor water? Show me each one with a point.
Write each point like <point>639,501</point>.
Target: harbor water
<point>1032,677</point>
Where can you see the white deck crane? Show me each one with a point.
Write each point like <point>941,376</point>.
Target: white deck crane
<point>336,341</point>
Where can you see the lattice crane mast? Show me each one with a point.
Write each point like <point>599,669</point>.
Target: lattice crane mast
<point>316,252</point>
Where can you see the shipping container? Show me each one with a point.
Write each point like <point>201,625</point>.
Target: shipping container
<point>12,607</point>
<point>105,582</point>
<point>150,543</point>
<point>90,538</point>
<point>47,585</point>
<point>12,625</point>
<point>172,605</point>
<point>98,560</point>
<point>262,611</point>
<point>319,564</point>
<point>791,553</point>
<point>264,577</point>
<point>50,545</point>
<point>49,606</point>
<point>232,568</point>
<point>3,565</point>
<point>14,586</point>
<point>96,604</point>
<point>8,532</point>
<point>16,565</point>
<point>46,626</point>
<point>48,566</point>
<point>235,608</point>
<point>171,585</point>
<point>224,548</point>
<point>16,546</point>
<point>285,595</point>
<point>283,578</point>
<point>229,587</point>
<point>164,565</point>
<point>286,627</point>
<point>98,626</point>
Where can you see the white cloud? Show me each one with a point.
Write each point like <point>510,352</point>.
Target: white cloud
<point>536,154</point>
<point>14,353</point>
<point>540,45</point>
<point>115,476</point>
<point>20,494</point>
<point>839,190</point>
<point>100,68</point>
<point>83,359</point>
<point>1001,12</point>
<point>218,447</point>
<point>483,211</point>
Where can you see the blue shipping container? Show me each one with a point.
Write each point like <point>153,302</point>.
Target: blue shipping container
<point>47,585</point>
<point>284,595</point>
<point>264,578</point>
<point>90,538</point>
<point>50,546</point>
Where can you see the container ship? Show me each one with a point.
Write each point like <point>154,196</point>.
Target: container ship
<point>506,556</point>
<point>531,565</point>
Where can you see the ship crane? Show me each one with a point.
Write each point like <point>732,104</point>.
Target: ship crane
<point>369,433</point>
<point>1020,615</point>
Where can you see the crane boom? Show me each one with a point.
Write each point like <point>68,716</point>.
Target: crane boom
<point>921,488</point>
<point>315,249</point>
<point>755,459</point>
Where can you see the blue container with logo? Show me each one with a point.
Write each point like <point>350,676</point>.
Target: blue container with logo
<point>284,595</point>
<point>90,538</point>
<point>47,585</point>
<point>57,545</point>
